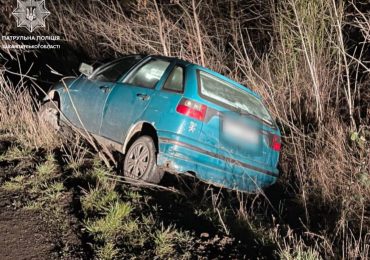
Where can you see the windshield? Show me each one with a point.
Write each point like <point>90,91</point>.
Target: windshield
<point>220,91</point>
<point>113,71</point>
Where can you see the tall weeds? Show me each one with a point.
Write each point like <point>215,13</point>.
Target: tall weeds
<point>18,117</point>
<point>294,53</point>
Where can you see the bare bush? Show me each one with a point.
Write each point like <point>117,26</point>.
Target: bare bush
<point>300,64</point>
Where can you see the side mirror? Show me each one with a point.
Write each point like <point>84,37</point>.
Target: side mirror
<point>86,69</point>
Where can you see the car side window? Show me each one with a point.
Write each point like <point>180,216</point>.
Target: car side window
<point>149,74</point>
<point>114,71</point>
<point>175,82</point>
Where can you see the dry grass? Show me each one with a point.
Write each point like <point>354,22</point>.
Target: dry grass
<point>19,119</point>
<point>313,84</point>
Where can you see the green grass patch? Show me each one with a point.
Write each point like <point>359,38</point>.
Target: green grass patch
<point>47,170</point>
<point>17,152</point>
<point>107,227</point>
<point>107,251</point>
<point>97,199</point>
<point>15,183</point>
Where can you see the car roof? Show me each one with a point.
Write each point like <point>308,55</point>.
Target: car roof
<point>196,66</point>
<point>178,60</point>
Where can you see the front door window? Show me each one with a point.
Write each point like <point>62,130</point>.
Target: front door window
<point>149,74</point>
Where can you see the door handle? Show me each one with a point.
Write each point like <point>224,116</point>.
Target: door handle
<point>143,96</point>
<point>105,89</point>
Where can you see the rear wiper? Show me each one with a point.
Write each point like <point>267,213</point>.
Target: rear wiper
<point>246,113</point>
<point>243,112</point>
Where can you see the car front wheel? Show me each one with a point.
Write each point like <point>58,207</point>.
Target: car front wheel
<point>140,161</point>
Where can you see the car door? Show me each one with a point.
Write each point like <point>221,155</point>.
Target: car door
<point>129,99</point>
<point>166,101</point>
<point>87,98</point>
<point>85,102</point>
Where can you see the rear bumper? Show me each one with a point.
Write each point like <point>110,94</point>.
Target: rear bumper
<point>213,168</point>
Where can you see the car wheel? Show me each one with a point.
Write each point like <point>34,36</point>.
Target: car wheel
<point>140,161</point>
<point>49,114</point>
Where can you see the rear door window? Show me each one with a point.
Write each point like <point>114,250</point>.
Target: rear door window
<point>175,82</point>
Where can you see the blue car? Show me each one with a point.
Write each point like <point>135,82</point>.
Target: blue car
<point>168,115</point>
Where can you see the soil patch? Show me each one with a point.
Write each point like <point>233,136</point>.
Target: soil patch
<point>24,234</point>
<point>29,234</point>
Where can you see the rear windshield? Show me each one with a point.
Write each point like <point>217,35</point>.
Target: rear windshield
<point>225,94</point>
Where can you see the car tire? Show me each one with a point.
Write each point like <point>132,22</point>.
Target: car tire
<point>140,162</point>
<point>49,114</point>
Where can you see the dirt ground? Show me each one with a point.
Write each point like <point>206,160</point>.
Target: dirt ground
<point>28,234</point>
<point>24,234</point>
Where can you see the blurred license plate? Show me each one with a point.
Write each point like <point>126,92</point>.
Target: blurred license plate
<point>240,131</point>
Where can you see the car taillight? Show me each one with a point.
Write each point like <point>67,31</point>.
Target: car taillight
<point>192,109</point>
<point>276,143</point>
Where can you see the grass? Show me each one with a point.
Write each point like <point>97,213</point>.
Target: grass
<point>295,55</point>
<point>99,174</point>
<point>121,225</point>
<point>53,191</point>
<point>33,205</point>
<point>97,199</point>
<point>166,239</point>
<point>17,152</point>
<point>15,183</point>
<point>163,240</point>
<point>20,120</point>
<point>111,222</point>
<point>107,251</point>
<point>300,252</point>
<point>47,170</point>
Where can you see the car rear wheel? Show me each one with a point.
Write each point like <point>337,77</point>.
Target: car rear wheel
<point>49,114</point>
<point>140,161</point>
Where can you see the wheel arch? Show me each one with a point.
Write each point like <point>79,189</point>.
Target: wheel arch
<point>139,129</point>
<point>53,96</point>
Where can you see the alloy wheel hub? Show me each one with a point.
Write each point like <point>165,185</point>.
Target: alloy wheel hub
<point>138,160</point>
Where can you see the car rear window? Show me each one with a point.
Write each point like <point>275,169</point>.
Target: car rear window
<point>226,94</point>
